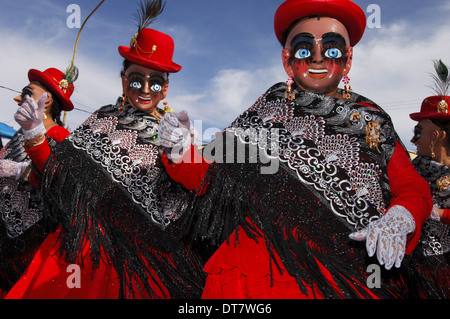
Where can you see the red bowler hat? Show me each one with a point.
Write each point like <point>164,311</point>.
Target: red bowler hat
<point>433,108</point>
<point>345,11</point>
<point>56,81</point>
<point>151,49</point>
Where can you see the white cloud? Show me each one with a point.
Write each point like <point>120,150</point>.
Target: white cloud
<point>394,70</point>
<point>230,93</point>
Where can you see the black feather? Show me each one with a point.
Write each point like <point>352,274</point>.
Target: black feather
<point>147,12</point>
<point>441,69</point>
<point>441,79</point>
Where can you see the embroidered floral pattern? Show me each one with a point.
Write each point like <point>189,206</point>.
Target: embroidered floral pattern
<point>20,202</point>
<point>323,139</point>
<point>123,140</point>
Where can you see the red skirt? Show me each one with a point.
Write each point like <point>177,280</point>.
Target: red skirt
<point>50,277</point>
<point>244,270</point>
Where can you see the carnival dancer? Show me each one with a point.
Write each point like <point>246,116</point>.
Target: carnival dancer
<point>108,187</point>
<point>431,259</point>
<point>23,224</point>
<point>321,164</point>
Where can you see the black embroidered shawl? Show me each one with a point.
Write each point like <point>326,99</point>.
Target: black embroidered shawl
<point>314,171</point>
<point>22,226</point>
<point>106,183</point>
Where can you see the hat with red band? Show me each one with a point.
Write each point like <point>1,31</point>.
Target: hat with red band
<point>345,11</point>
<point>436,107</point>
<point>433,108</point>
<point>152,49</point>
<point>56,81</point>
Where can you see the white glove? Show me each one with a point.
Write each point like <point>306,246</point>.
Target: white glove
<point>435,214</point>
<point>176,134</point>
<point>387,236</point>
<point>12,169</point>
<point>30,116</point>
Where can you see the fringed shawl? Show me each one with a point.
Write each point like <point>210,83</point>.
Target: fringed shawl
<point>107,186</point>
<point>312,172</point>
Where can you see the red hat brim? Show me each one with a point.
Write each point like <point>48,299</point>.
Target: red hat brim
<point>50,83</point>
<point>345,11</point>
<point>429,109</point>
<point>429,116</point>
<point>125,53</point>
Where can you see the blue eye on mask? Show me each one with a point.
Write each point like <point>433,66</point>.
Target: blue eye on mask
<point>156,88</point>
<point>136,85</point>
<point>156,85</point>
<point>302,54</point>
<point>333,53</point>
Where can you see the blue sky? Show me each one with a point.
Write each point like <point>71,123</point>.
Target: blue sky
<point>228,51</point>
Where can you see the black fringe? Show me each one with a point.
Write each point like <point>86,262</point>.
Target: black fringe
<point>293,222</point>
<point>90,206</point>
<point>431,274</point>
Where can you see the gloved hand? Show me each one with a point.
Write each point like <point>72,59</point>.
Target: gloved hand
<point>30,117</point>
<point>435,214</point>
<point>13,169</point>
<point>387,236</point>
<point>176,134</point>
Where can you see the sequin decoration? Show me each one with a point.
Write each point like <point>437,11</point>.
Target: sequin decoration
<point>64,84</point>
<point>443,183</point>
<point>373,135</point>
<point>442,107</point>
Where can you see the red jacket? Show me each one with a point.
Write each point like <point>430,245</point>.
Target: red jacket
<point>40,153</point>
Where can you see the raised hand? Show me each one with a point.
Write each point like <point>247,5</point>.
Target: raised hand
<point>30,116</point>
<point>176,133</point>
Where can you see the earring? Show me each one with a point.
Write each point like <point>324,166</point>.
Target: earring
<point>166,107</point>
<point>124,99</point>
<point>289,94</point>
<point>433,154</point>
<point>347,88</point>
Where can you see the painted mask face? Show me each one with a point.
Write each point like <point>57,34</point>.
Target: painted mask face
<point>144,87</point>
<point>317,54</point>
<point>33,90</point>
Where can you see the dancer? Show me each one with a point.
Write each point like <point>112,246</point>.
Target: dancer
<point>107,186</point>
<point>23,224</point>
<point>431,259</point>
<point>321,164</point>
